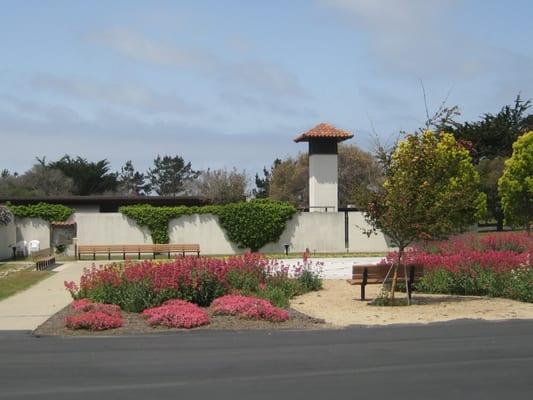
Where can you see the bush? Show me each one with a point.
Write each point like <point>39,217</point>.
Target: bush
<point>497,265</point>
<point>5,215</point>
<point>250,224</point>
<point>137,286</point>
<point>94,321</point>
<point>249,308</point>
<point>48,212</point>
<point>176,314</point>
<point>94,316</point>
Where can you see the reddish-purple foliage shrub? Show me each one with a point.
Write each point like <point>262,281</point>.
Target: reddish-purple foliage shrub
<point>248,307</point>
<point>500,252</point>
<point>86,305</point>
<point>94,321</point>
<point>176,314</point>
<point>94,316</point>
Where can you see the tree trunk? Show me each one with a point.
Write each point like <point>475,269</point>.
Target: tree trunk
<point>395,274</point>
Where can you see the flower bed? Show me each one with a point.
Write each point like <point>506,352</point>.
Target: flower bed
<point>137,286</point>
<point>94,316</point>
<point>498,265</point>
<point>176,314</point>
<point>248,307</point>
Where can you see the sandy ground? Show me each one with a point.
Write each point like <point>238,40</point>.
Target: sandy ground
<point>338,304</point>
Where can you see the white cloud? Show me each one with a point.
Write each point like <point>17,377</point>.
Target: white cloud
<point>129,95</point>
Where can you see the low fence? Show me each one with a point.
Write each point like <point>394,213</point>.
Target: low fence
<point>319,232</point>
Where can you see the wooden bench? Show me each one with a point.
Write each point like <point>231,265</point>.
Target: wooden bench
<point>43,259</point>
<point>371,274</point>
<point>170,248</point>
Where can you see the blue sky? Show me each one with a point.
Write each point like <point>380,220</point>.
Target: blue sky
<point>231,83</point>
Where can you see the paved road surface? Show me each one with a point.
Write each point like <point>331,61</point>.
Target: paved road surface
<point>461,360</point>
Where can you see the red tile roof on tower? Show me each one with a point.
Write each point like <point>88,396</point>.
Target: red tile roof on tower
<point>324,131</point>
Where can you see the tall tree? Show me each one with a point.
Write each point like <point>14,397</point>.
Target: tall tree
<point>170,174</point>
<point>42,180</point>
<point>89,177</point>
<point>490,170</point>
<point>221,186</point>
<point>430,191</point>
<point>516,183</point>
<point>289,179</point>
<point>132,182</point>
<point>493,135</point>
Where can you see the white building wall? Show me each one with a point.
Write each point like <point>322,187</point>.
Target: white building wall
<point>8,236</point>
<point>109,228</point>
<point>323,182</point>
<point>318,232</point>
<point>203,229</point>
<point>33,229</point>
<point>359,241</point>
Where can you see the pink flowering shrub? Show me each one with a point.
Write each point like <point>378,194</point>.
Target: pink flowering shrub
<point>86,305</point>
<point>499,265</point>
<point>94,321</point>
<point>94,316</point>
<point>249,308</point>
<point>176,314</point>
<point>138,286</point>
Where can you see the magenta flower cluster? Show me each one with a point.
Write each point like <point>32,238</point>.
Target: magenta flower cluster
<point>176,274</point>
<point>176,314</point>
<point>465,253</point>
<point>249,308</point>
<point>94,316</point>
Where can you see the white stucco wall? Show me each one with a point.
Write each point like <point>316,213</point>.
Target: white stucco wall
<point>323,182</point>
<point>8,236</point>
<point>109,228</point>
<point>360,242</point>
<point>204,230</point>
<point>33,229</point>
<point>320,232</point>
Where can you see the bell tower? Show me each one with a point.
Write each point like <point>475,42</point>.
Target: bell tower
<point>323,166</point>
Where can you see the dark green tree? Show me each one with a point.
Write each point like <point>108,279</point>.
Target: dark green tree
<point>170,174</point>
<point>89,177</point>
<point>132,182</point>
<point>493,135</point>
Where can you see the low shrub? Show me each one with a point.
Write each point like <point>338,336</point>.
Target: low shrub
<point>85,305</point>
<point>249,308</point>
<point>496,265</point>
<point>94,316</point>
<point>176,314</point>
<point>138,286</point>
<point>93,321</point>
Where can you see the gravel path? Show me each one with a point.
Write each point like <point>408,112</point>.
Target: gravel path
<point>339,305</point>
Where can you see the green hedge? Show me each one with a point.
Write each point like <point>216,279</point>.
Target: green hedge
<point>249,224</point>
<point>48,212</point>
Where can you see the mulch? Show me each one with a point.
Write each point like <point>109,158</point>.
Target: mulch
<point>134,324</point>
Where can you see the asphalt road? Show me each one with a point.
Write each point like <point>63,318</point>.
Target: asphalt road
<point>460,360</point>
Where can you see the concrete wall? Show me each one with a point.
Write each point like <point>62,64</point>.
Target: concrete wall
<point>109,228</point>
<point>360,242</point>
<point>204,230</point>
<point>8,236</point>
<point>323,182</point>
<point>33,229</point>
<point>319,232</point>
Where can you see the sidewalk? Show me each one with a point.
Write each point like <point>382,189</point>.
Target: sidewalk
<point>30,308</point>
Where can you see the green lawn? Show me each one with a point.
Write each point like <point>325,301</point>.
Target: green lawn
<point>20,280</point>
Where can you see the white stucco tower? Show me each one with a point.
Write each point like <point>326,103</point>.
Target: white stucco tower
<point>323,166</point>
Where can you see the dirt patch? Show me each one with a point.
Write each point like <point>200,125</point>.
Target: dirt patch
<point>339,305</point>
<point>135,324</point>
